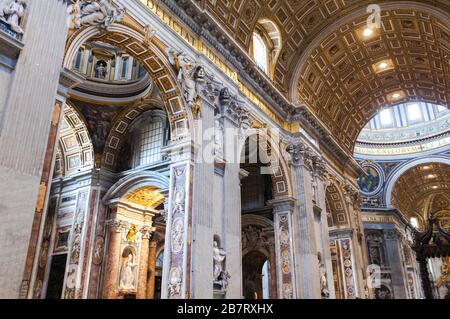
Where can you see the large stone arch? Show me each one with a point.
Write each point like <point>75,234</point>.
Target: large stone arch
<point>281,180</point>
<point>75,151</point>
<point>336,206</point>
<point>258,237</point>
<point>135,182</point>
<point>394,176</point>
<point>131,38</point>
<point>336,76</point>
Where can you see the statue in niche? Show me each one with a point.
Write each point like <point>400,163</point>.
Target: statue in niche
<point>220,275</point>
<point>12,14</point>
<point>100,13</point>
<point>100,69</point>
<point>323,278</point>
<point>127,276</point>
<point>383,293</point>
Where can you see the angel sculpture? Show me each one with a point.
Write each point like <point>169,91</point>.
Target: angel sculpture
<point>190,75</point>
<point>219,256</point>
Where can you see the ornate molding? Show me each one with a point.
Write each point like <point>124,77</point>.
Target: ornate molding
<point>197,84</point>
<point>117,225</point>
<point>146,231</point>
<point>392,234</point>
<point>207,28</point>
<point>319,167</point>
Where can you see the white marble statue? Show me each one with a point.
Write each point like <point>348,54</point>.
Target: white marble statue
<point>12,12</point>
<point>185,78</point>
<point>100,13</point>
<point>219,257</point>
<point>323,278</point>
<point>218,136</point>
<point>127,276</point>
<point>190,74</point>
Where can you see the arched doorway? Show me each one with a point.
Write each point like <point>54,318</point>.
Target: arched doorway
<point>256,275</point>
<point>267,260</point>
<point>137,205</point>
<point>258,258</point>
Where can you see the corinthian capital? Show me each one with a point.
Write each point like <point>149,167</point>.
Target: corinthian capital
<point>319,166</point>
<point>147,231</point>
<point>297,152</point>
<point>117,225</point>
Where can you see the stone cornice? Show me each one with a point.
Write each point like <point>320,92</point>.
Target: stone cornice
<point>9,45</point>
<point>206,27</point>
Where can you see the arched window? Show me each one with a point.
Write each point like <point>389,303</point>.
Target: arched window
<point>266,46</point>
<point>149,135</point>
<point>151,142</point>
<point>260,52</point>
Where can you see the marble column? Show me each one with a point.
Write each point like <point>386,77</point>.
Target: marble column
<point>111,271</point>
<point>273,275</point>
<point>393,251</point>
<point>143,263</point>
<point>231,204</point>
<point>359,254</point>
<point>176,281</point>
<point>150,294</point>
<point>347,260</point>
<point>282,210</point>
<point>25,122</point>
<point>68,79</point>
<point>305,249</point>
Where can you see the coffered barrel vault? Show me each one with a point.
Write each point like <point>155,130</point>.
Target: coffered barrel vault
<point>416,190</point>
<point>348,76</point>
<point>327,65</point>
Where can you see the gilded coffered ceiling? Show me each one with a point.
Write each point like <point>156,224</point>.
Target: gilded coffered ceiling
<point>348,77</point>
<point>422,189</point>
<point>148,197</point>
<point>327,64</point>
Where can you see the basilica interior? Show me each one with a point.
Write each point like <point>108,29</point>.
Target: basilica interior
<point>218,149</point>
